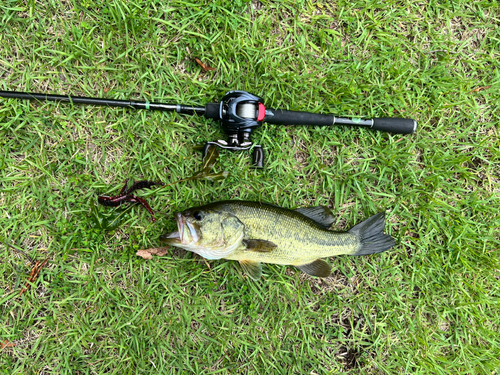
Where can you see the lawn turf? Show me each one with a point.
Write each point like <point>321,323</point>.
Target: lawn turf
<point>429,305</point>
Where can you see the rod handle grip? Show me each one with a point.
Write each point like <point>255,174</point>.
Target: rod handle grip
<point>285,117</point>
<point>391,125</point>
<point>395,125</point>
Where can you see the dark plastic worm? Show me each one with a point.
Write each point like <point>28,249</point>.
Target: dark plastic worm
<point>125,196</point>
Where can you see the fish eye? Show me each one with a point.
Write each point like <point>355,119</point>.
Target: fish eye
<point>198,215</point>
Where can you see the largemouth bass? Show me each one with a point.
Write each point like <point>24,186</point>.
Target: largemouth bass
<point>254,233</point>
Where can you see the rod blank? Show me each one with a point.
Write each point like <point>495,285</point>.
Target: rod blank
<point>179,108</point>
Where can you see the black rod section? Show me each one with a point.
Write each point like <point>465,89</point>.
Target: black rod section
<point>392,125</point>
<point>134,104</point>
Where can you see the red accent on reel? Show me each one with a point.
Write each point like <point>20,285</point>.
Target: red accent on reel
<point>262,112</point>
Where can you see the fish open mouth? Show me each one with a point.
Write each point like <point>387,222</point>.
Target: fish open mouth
<point>175,237</point>
<point>181,237</point>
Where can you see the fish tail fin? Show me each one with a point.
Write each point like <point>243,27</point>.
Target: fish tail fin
<point>371,237</point>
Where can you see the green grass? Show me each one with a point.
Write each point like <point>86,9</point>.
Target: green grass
<point>428,306</point>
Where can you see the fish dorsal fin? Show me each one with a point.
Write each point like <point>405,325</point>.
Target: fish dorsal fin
<point>252,269</point>
<point>320,214</point>
<point>317,268</point>
<point>261,246</point>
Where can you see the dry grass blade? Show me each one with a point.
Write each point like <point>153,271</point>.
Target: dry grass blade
<point>35,271</point>
<point>6,344</point>
<point>205,67</point>
<point>480,88</point>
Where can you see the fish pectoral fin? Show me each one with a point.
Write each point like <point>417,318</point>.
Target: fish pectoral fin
<point>317,268</point>
<point>320,214</point>
<point>261,246</point>
<point>252,269</point>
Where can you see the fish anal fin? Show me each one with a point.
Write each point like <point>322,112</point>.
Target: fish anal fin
<point>252,269</point>
<point>317,268</point>
<point>320,214</point>
<point>261,246</point>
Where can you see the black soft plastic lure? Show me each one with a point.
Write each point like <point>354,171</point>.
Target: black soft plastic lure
<point>125,196</point>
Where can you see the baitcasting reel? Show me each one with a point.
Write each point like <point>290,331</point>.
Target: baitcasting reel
<point>239,113</point>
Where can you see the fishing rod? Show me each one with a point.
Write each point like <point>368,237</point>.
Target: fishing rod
<point>239,113</point>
